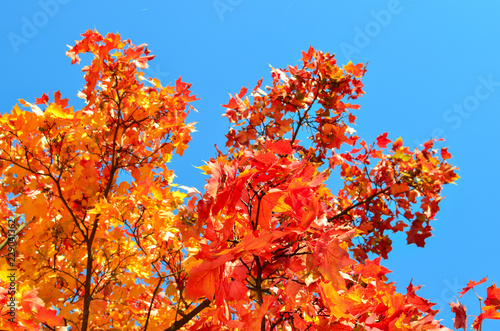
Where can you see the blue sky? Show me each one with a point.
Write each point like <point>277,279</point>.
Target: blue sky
<point>433,72</point>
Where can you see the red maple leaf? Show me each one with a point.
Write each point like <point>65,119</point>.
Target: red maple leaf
<point>306,57</point>
<point>460,315</point>
<point>43,99</point>
<point>445,154</point>
<point>493,296</point>
<point>489,313</point>
<point>419,302</point>
<point>470,285</point>
<point>382,140</point>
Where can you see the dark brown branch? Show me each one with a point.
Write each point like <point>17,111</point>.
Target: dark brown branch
<point>367,200</point>
<point>302,118</point>
<point>180,323</point>
<point>152,301</point>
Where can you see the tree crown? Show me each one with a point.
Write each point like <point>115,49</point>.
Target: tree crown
<point>267,245</point>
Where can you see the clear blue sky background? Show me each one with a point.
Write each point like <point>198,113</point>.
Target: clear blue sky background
<point>434,71</point>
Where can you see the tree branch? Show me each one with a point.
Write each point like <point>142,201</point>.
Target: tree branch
<point>19,229</point>
<point>152,301</point>
<point>367,200</point>
<point>180,323</point>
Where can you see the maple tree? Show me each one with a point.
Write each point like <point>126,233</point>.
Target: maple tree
<point>267,246</point>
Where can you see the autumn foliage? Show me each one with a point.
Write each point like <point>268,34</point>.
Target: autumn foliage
<point>104,237</point>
